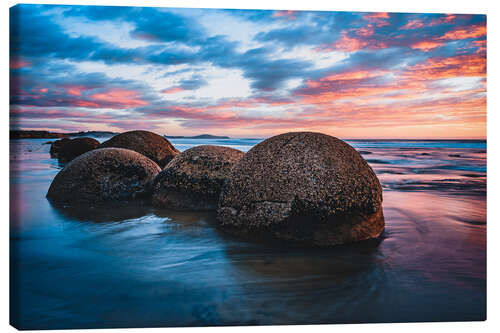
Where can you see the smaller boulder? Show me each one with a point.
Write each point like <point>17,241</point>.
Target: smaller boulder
<point>67,149</point>
<point>56,146</point>
<point>104,175</point>
<point>193,179</point>
<point>149,144</point>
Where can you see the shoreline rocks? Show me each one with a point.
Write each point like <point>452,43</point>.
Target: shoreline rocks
<point>149,144</point>
<point>194,178</point>
<point>304,189</point>
<point>104,175</point>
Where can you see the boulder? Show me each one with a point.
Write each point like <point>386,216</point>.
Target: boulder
<point>56,146</point>
<point>104,175</point>
<point>194,178</point>
<point>151,145</point>
<point>302,189</point>
<point>68,149</point>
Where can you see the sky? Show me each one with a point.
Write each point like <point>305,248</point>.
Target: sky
<point>247,73</point>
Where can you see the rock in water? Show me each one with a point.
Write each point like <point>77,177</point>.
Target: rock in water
<point>306,189</point>
<point>104,175</point>
<point>68,149</point>
<point>151,145</point>
<point>56,146</point>
<point>194,178</point>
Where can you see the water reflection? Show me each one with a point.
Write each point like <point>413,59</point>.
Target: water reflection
<point>336,263</point>
<point>103,213</point>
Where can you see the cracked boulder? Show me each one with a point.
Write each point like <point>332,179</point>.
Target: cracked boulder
<point>104,175</point>
<point>302,189</point>
<point>194,178</point>
<point>149,144</point>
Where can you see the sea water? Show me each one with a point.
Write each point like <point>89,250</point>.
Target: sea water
<point>137,266</point>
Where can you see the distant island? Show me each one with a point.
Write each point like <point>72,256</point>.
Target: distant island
<point>201,136</point>
<point>20,134</point>
<point>94,133</point>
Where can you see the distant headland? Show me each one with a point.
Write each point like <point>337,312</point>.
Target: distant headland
<point>21,134</point>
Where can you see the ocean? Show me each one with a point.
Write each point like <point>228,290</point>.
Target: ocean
<point>138,266</point>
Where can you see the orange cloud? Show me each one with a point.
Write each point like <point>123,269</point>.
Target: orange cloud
<point>446,19</point>
<point>352,44</point>
<point>458,33</point>
<point>442,68</point>
<point>354,75</point>
<point>481,45</point>
<point>426,45</point>
<point>413,24</point>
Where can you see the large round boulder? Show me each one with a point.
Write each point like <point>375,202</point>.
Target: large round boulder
<point>104,175</point>
<point>68,149</point>
<point>305,189</point>
<point>194,178</point>
<point>151,145</point>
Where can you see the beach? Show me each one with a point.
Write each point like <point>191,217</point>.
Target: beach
<point>139,266</point>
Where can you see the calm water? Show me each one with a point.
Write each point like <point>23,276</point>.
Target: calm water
<point>139,266</point>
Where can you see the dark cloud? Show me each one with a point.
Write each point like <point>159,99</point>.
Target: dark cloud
<point>33,34</point>
<point>150,23</point>
<point>193,83</point>
<point>319,28</point>
<point>44,38</point>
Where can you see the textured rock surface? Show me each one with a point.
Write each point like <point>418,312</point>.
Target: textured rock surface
<point>194,178</point>
<point>68,149</point>
<point>307,189</point>
<point>104,175</point>
<point>151,145</point>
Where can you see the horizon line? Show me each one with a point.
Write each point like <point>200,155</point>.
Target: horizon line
<point>263,138</point>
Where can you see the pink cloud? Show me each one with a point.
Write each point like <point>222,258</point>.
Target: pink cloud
<point>379,19</point>
<point>288,14</point>
<point>75,90</point>
<point>16,63</point>
<point>118,98</point>
<point>172,90</point>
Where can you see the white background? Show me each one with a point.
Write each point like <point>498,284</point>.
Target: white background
<point>421,6</point>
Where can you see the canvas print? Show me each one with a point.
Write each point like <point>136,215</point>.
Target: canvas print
<point>214,167</point>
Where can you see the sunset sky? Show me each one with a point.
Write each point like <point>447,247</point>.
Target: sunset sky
<point>247,73</point>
